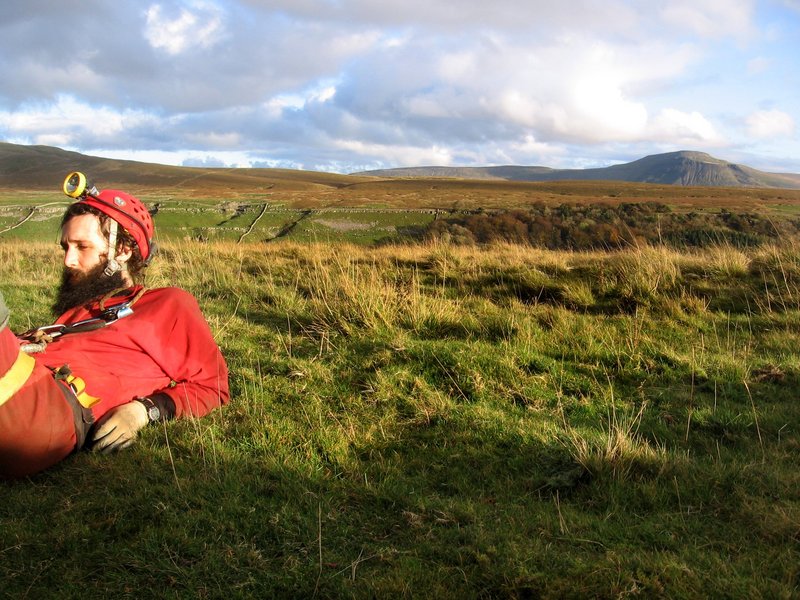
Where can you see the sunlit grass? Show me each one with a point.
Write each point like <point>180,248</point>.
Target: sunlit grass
<point>436,420</point>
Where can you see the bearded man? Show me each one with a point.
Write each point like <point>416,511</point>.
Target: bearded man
<point>119,356</point>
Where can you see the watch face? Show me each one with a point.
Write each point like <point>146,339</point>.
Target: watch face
<point>153,413</point>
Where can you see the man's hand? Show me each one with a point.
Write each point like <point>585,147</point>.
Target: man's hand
<point>117,429</point>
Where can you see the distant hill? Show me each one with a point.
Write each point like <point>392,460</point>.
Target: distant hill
<point>673,168</point>
<point>44,168</point>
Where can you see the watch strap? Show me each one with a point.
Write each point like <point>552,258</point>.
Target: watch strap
<point>153,412</point>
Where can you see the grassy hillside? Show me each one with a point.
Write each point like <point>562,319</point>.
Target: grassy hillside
<point>322,207</point>
<point>434,421</point>
<point>43,168</point>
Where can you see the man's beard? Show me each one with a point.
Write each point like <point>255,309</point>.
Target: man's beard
<point>77,289</point>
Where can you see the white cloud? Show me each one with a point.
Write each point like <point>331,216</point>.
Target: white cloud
<point>711,18</point>
<point>324,94</point>
<point>59,140</point>
<point>531,16</point>
<point>400,155</point>
<point>770,124</point>
<point>529,151</point>
<point>577,89</point>
<point>199,27</point>
<point>337,82</point>
<point>212,139</point>
<point>793,4</point>
<point>602,111</point>
<point>68,121</point>
<point>683,128</point>
<point>185,157</point>
<point>274,107</point>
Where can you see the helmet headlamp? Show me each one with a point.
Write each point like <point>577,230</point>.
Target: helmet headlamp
<point>76,186</point>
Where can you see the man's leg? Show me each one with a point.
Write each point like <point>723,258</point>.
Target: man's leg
<point>37,423</point>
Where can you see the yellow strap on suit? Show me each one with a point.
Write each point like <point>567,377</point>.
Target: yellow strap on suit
<point>78,386</point>
<point>16,376</point>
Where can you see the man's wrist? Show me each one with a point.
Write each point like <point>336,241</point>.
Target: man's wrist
<point>163,402</point>
<point>153,411</point>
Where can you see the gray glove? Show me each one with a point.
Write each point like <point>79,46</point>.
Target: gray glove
<point>3,312</point>
<point>118,428</point>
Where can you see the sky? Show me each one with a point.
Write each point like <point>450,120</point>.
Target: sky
<point>352,85</point>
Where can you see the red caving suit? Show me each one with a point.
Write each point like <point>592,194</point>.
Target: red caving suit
<point>165,346</point>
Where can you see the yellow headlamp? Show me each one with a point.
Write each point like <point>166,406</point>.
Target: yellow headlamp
<point>76,185</point>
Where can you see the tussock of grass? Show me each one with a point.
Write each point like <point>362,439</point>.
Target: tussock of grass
<point>644,275</point>
<point>619,452</point>
<point>444,421</point>
<point>727,262</point>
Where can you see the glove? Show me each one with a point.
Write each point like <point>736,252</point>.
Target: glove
<point>118,429</point>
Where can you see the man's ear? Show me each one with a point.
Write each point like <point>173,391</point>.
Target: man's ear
<point>124,253</point>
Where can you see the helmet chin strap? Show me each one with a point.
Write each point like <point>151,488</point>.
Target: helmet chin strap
<point>113,266</point>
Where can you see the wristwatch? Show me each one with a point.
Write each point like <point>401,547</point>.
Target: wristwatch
<point>153,412</point>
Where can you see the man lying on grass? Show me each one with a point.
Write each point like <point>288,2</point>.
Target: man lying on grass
<point>118,357</point>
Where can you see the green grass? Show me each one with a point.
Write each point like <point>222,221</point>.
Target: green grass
<point>217,220</point>
<point>435,421</point>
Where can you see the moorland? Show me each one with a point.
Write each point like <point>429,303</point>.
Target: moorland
<point>436,416</point>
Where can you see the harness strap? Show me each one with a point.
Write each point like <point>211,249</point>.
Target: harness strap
<point>76,385</point>
<point>16,376</point>
<point>113,266</point>
<point>82,416</point>
<point>129,303</point>
<point>41,336</point>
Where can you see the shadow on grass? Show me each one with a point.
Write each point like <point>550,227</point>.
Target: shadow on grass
<point>453,506</point>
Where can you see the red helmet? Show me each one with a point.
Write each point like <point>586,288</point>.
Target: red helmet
<point>129,212</point>
<point>125,209</point>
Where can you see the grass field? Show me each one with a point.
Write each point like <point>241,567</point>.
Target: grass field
<point>436,421</point>
<point>303,206</point>
<point>217,219</point>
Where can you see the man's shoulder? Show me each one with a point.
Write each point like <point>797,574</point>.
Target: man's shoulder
<point>169,296</point>
<point>164,292</point>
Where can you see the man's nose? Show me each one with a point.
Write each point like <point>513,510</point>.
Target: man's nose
<point>70,257</point>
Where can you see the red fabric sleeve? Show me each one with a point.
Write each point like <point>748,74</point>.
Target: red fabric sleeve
<point>189,355</point>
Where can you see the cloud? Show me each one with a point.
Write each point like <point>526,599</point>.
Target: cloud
<point>767,124</point>
<point>684,128</point>
<point>531,16</point>
<point>403,155</point>
<point>793,4</point>
<point>358,82</point>
<point>214,139</point>
<point>70,121</point>
<point>199,26</point>
<point>711,18</point>
<point>575,88</point>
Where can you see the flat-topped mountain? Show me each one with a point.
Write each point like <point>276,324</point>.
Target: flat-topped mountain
<point>673,168</point>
